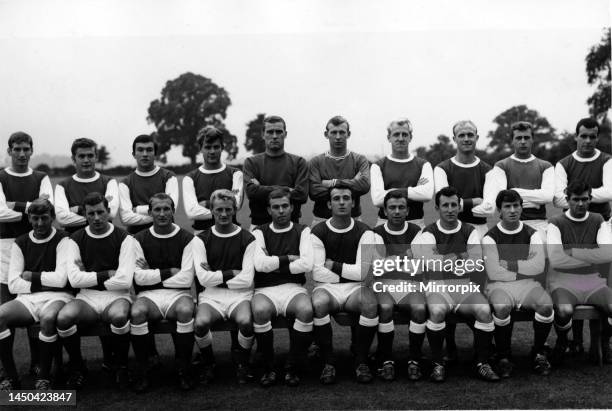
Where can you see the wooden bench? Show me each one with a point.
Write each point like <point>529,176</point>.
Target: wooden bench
<point>581,312</point>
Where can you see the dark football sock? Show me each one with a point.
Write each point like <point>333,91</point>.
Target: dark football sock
<point>323,338</point>
<point>364,335</point>
<point>298,346</point>
<point>140,344</point>
<point>415,341</point>
<point>384,350</point>
<point>503,338</point>
<point>265,345</point>
<point>184,348</point>
<point>483,342</point>
<point>540,334</point>
<point>435,336</point>
<point>6,355</point>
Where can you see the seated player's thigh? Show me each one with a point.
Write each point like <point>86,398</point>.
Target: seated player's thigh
<point>300,307</point>
<point>476,306</point>
<point>118,312</point>
<point>602,299</point>
<point>14,314</point>
<point>416,304</point>
<point>386,305</point>
<point>362,301</point>
<point>324,303</point>
<point>263,309</point>
<point>502,303</point>
<point>539,301</point>
<point>437,307</point>
<point>181,310</point>
<point>76,312</point>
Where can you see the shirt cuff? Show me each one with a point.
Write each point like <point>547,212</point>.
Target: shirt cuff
<point>283,264</point>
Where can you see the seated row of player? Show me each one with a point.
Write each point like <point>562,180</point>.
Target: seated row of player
<point>102,261</point>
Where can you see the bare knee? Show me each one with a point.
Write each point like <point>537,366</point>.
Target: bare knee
<point>437,312</point>
<point>320,304</point>
<point>418,313</point>
<point>139,313</point>
<point>385,312</point>
<point>184,311</point>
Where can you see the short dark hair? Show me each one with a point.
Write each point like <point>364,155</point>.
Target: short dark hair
<point>161,196</point>
<point>577,187</point>
<point>446,192</point>
<point>336,121</point>
<point>273,119</point>
<point>395,194</point>
<point>209,134</point>
<point>144,138</point>
<point>20,137</point>
<point>41,206</point>
<point>508,196</point>
<point>587,123</point>
<point>520,126</point>
<point>95,198</point>
<point>279,193</point>
<point>83,143</point>
<point>341,186</point>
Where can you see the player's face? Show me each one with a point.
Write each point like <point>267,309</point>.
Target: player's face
<point>399,137</point>
<point>20,154</point>
<point>448,208</point>
<point>41,224</point>
<point>396,211</point>
<point>144,153</point>
<point>280,210</point>
<point>211,152</point>
<point>97,217</point>
<point>510,212</point>
<point>337,136</point>
<point>465,137</point>
<point>522,142</point>
<point>274,136</point>
<point>579,204</point>
<point>85,160</point>
<point>223,212</point>
<point>586,141</point>
<point>162,212</point>
<point>341,202</point>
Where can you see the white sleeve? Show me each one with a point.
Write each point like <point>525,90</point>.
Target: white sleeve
<point>16,284</point>
<point>424,245</point>
<point>534,265</point>
<point>127,216</point>
<point>474,247</point>
<point>425,191</point>
<point>6,214</point>
<point>263,263</point>
<point>495,181</point>
<point>184,278</point>
<point>304,263</point>
<point>238,187</point>
<point>601,254</point>
<point>377,187</point>
<point>356,272</point>
<point>78,278</point>
<point>59,277</point>
<point>560,186</point>
<point>319,272</point>
<point>124,275</point>
<point>144,277</point>
<point>603,194</point>
<point>244,279</point>
<point>46,188</point>
<point>193,209</point>
<point>495,271</point>
<point>205,277</point>
<point>558,258</point>
<point>545,193</point>
<point>172,189</point>
<point>440,179</point>
<point>65,217</point>
<point>112,192</point>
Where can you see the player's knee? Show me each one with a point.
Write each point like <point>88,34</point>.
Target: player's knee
<point>502,310</point>
<point>201,325</point>
<point>418,313</point>
<point>385,312</point>
<point>262,312</point>
<point>47,323</point>
<point>139,313</point>
<point>544,310</point>
<point>66,318</point>
<point>482,313</point>
<point>320,304</point>
<point>244,320</point>
<point>184,311</point>
<point>437,312</point>
<point>564,311</point>
<point>304,311</point>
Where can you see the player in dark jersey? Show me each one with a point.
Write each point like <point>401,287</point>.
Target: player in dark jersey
<point>396,236</point>
<point>223,261</point>
<point>457,245</point>
<point>578,241</point>
<point>213,174</point>
<point>70,193</point>
<point>402,170</point>
<point>19,185</point>
<point>272,169</point>
<point>136,189</point>
<point>340,282</point>
<point>337,167</point>
<point>163,279</point>
<point>514,254</point>
<point>101,266</point>
<point>282,258</point>
<point>38,276</point>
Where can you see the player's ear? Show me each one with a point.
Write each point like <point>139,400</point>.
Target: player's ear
<point>8,151</point>
<point>329,205</point>
<point>269,210</point>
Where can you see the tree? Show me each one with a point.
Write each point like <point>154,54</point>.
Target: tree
<point>254,140</point>
<point>544,133</point>
<point>44,167</point>
<point>187,104</point>
<point>437,152</point>
<point>599,75</point>
<point>103,156</point>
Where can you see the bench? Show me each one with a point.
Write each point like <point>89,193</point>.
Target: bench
<point>581,312</point>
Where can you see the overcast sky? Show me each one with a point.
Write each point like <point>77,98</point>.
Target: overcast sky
<point>90,68</point>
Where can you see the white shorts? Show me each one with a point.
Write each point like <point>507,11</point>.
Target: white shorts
<point>37,303</point>
<point>5,258</point>
<point>582,286</point>
<point>454,299</point>
<point>339,291</point>
<point>516,290</point>
<point>164,298</point>
<point>481,229</point>
<point>224,300</point>
<point>281,295</point>
<point>419,221</point>
<point>400,295</point>
<point>101,300</point>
